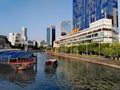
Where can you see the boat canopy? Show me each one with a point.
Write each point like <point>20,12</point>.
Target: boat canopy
<point>17,54</point>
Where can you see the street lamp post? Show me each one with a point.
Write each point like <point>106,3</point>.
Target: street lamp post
<point>99,49</point>
<point>65,48</point>
<point>71,49</point>
<point>86,49</point>
<point>77,49</point>
<point>118,16</point>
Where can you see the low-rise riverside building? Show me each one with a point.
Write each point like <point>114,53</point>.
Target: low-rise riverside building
<point>99,31</point>
<point>56,43</point>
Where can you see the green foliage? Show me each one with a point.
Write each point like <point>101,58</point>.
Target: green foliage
<point>75,49</point>
<point>115,49</point>
<point>4,43</point>
<point>82,48</point>
<point>112,50</point>
<point>43,48</point>
<point>92,47</point>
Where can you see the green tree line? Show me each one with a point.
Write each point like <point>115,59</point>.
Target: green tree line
<point>102,49</point>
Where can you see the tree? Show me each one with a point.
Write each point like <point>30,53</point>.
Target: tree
<point>82,48</point>
<point>92,47</point>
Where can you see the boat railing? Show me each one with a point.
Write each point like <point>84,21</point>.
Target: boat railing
<point>4,60</point>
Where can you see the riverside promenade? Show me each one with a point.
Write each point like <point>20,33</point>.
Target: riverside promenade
<point>91,59</point>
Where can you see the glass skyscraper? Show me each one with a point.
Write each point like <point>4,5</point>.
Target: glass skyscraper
<point>65,27</point>
<point>88,11</point>
<point>50,35</point>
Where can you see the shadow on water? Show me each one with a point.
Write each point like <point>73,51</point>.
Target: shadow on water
<point>20,78</point>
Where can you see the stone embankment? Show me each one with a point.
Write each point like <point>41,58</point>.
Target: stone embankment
<point>91,59</point>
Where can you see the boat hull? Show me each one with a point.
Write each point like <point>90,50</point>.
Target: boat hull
<point>18,66</point>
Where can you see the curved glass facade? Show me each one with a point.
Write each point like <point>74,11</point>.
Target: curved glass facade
<point>65,27</point>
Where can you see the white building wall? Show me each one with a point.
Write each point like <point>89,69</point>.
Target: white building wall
<point>107,40</point>
<point>103,29</point>
<point>102,22</point>
<point>107,33</point>
<point>14,38</point>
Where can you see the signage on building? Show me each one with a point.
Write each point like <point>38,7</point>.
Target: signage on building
<point>74,31</point>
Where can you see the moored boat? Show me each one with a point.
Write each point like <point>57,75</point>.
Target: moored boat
<point>17,60</point>
<point>51,63</point>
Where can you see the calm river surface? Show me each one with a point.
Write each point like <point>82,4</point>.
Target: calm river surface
<point>69,75</point>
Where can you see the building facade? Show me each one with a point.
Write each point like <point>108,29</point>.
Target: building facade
<point>24,37</point>
<point>50,35</point>
<point>65,27</point>
<point>88,11</point>
<point>42,43</point>
<point>99,31</point>
<point>93,21</point>
<point>14,38</point>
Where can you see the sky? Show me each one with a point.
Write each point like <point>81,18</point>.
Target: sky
<point>35,15</point>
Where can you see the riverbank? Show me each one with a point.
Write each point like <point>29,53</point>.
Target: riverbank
<point>91,59</point>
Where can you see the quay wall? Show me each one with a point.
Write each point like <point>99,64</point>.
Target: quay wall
<point>95,60</point>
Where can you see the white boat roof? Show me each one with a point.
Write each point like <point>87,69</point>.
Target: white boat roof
<point>52,60</point>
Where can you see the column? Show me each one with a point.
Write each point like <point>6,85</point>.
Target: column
<point>119,16</point>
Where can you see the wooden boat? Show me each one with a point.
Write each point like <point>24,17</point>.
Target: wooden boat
<point>51,63</point>
<point>17,60</point>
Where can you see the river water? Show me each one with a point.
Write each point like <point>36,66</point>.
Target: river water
<point>69,75</point>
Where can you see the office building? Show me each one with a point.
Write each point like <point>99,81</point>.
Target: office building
<point>24,37</point>
<point>14,38</point>
<point>50,35</point>
<point>93,21</point>
<point>89,11</point>
<point>42,43</point>
<point>65,27</point>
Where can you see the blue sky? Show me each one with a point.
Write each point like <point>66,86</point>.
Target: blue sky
<point>36,15</point>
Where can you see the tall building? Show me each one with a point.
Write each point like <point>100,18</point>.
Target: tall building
<point>93,21</point>
<point>24,37</point>
<point>89,11</point>
<point>42,43</point>
<point>65,27</point>
<point>14,38</point>
<point>50,35</point>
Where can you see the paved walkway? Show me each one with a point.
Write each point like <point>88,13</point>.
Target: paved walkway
<point>87,58</point>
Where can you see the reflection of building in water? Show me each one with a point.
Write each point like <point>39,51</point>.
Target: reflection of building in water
<point>19,77</point>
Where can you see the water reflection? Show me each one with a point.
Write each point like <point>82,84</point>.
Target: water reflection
<point>69,75</point>
<point>18,77</point>
<point>50,71</point>
<point>87,76</point>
